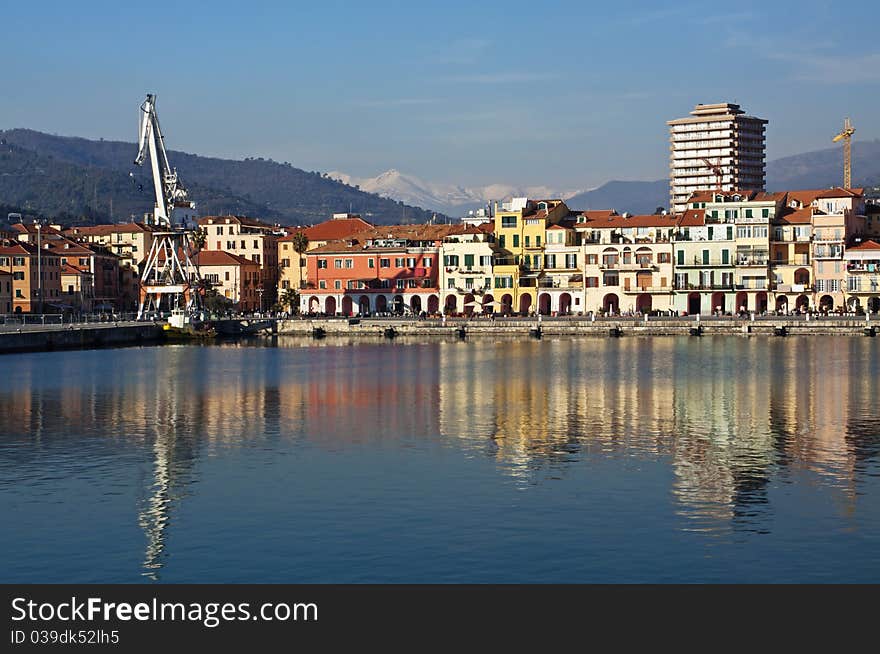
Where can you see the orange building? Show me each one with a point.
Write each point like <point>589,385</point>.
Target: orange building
<point>24,262</point>
<point>385,269</point>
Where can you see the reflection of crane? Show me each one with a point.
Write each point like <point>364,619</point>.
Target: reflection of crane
<point>846,137</point>
<point>717,171</point>
<point>168,270</point>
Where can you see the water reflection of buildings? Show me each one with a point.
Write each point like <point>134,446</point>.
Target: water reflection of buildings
<point>729,414</point>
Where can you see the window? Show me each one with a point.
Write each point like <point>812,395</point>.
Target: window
<point>680,257</point>
<point>550,261</point>
<point>765,213</point>
<point>748,213</point>
<point>322,263</point>
<point>663,257</point>
<point>450,260</point>
<point>351,284</point>
<point>536,261</point>
<point>527,237</point>
<point>398,262</point>
<point>349,263</point>
<point>486,260</point>
<point>337,284</point>
<point>285,263</point>
<point>508,221</point>
<point>450,282</point>
<point>337,263</point>
<point>504,282</point>
<point>243,246</point>
<point>730,232</point>
<point>538,240</point>
<point>705,257</point>
<point>427,262</point>
<point>743,232</point>
<point>400,283</point>
<point>501,240</point>
<point>18,261</point>
<point>487,282</point>
<point>227,276</point>
<point>18,275</point>
<point>592,282</point>
<point>571,261</point>
<point>322,284</point>
<point>469,282</point>
<point>611,279</point>
<point>220,231</point>
<point>516,240</point>
<point>384,263</point>
<point>371,263</point>
<point>592,259</point>
<point>469,261</point>
<point>411,262</point>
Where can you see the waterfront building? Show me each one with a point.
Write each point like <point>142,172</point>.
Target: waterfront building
<point>24,262</point>
<point>628,261</point>
<point>5,292</point>
<point>561,286</point>
<point>465,276</point>
<point>520,232</point>
<point>732,143</point>
<point>862,263</point>
<point>747,215</point>
<point>131,242</point>
<point>390,268</point>
<point>77,288</point>
<point>249,238</point>
<point>101,264</point>
<point>233,276</point>
<point>837,217</point>
<point>292,266</point>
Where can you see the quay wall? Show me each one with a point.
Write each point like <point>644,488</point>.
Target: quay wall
<point>84,337</point>
<point>513,327</point>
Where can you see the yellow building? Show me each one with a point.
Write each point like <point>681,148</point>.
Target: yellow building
<point>520,232</point>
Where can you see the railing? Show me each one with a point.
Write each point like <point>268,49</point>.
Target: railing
<point>648,289</point>
<point>751,261</point>
<point>34,319</point>
<point>704,287</point>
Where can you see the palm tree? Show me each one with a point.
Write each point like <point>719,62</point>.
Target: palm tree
<point>198,238</point>
<point>300,244</point>
<point>290,299</point>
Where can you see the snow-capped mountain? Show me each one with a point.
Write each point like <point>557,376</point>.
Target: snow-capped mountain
<point>451,199</point>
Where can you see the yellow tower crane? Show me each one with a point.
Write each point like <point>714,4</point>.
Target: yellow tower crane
<point>846,137</point>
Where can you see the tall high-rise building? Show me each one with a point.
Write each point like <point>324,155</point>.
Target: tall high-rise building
<point>717,148</point>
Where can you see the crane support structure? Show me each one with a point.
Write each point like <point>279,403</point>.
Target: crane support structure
<point>170,281</point>
<point>846,137</point>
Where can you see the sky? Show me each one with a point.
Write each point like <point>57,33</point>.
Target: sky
<point>563,94</point>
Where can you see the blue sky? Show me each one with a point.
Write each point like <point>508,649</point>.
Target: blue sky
<point>566,94</point>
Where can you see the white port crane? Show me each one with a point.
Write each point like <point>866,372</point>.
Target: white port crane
<point>170,280</point>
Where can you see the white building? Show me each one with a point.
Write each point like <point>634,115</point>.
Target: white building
<point>717,148</point>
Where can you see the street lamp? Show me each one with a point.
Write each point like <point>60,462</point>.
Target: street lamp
<point>39,267</point>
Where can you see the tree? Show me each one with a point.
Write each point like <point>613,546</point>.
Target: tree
<point>198,238</point>
<point>300,244</point>
<point>290,299</point>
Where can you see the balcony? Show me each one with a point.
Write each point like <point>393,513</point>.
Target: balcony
<point>705,287</point>
<point>759,285</point>
<point>863,285</point>
<point>797,260</point>
<point>822,253</point>
<point>752,261</point>
<point>648,289</point>
<point>699,261</point>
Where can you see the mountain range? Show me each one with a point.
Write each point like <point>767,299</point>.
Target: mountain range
<point>819,169</point>
<point>80,179</point>
<point>451,199</point>
<point>73,179</point>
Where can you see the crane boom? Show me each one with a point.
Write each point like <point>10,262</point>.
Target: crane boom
<point>846,137</point>
<point>172,201</point>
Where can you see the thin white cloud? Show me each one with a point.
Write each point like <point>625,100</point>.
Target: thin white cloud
<point>502,78</point>
<point>395,102</point>
<point>462,52</point>
<point>833,69</point>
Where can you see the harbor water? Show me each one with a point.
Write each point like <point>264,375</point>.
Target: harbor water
<point>666,459</point>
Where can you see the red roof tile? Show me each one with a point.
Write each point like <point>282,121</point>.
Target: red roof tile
<point>221,258</point>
